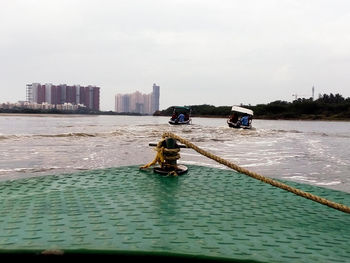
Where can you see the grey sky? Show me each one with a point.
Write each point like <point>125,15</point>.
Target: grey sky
<point>218,52</point>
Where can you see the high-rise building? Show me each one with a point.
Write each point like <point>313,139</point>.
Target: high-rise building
<point>48,89</point>
<point>32,92</point>
<point>61,94</point>
<point>155,98</point>
<point>137,102</point>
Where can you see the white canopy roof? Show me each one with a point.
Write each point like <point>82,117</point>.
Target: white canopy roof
<point>242,110</point>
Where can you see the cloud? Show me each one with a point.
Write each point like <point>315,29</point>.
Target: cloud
<point>214,52</point>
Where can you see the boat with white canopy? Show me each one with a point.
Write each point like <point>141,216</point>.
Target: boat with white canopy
<point>240,118</point>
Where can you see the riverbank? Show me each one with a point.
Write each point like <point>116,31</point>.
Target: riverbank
<point>264,117</point>
<point>272,117</point>
<point>327,107</point>
<point>303,117</point>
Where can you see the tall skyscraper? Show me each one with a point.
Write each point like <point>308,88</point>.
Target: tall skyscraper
<point>155,98</point>
<point>137,102</point>
<point>60,94</point>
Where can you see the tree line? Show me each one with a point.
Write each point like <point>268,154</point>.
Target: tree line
<point>326,107</point>
<point>329,107</point>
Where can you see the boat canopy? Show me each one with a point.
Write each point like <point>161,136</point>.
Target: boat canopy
<point>242,110</point>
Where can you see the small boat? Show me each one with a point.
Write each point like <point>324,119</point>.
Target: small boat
<point>240,118</point>
<point>181,115</point>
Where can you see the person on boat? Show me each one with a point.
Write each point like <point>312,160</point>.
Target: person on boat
<point>174,116</point>
<point>181,117</point>
<point>244,120</point>
<point>234,118</point>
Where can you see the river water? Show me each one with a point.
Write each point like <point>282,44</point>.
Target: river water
<point>312,152</point>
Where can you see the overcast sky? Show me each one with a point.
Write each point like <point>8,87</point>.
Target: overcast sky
<point>217,52</point>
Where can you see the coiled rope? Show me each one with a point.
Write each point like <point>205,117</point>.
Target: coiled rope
<point>164,158</point>
<point>254,175</point>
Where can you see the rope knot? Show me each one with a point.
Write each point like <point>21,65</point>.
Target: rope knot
<point>166,157</point>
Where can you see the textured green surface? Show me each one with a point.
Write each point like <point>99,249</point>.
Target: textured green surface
<point>207,212</point>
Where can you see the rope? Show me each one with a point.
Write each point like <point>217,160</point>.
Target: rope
<point>254,175</point>
<point>159,156</point>
<point>164,157</point>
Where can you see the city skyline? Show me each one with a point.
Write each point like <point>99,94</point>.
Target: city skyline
<point>137,99</point>
<point>59,94</point>
<point>138,102</point>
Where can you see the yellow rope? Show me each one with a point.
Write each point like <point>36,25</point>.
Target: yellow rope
<point>163,156</point>
<point>254,175</point>
<point>159,156</point>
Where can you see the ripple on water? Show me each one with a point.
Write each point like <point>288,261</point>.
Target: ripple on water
<point>302,151</point>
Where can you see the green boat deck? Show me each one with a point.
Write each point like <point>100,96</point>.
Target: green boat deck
<point>207,213</point>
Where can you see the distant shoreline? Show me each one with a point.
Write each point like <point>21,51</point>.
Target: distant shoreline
<point>45,114</point>
<point>309,118</point>
<point>303,118</point>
